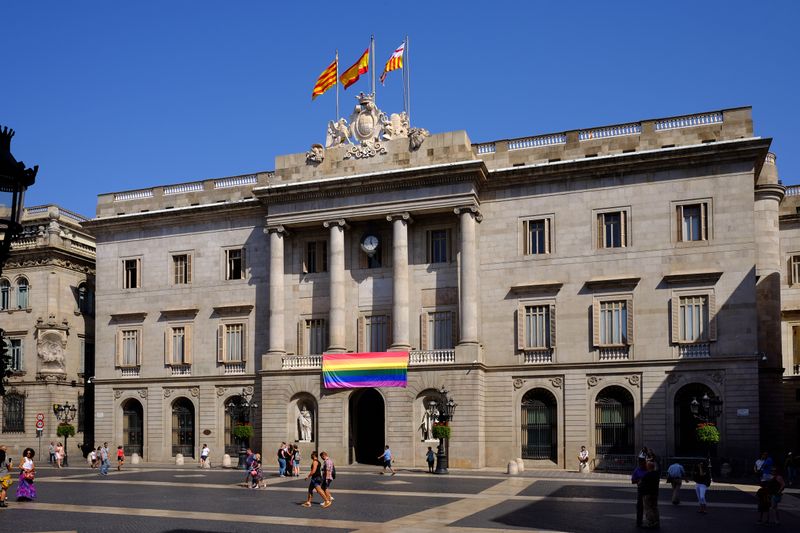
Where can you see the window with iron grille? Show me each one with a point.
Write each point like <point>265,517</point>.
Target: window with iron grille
<point>693,325</point>
<point>376,333</point>
<point>612,229</point>
<point>614,429</point>
<point>181,269</point>
<point>537,236</point>
<point>539,426</point>
<point>613,323</point>
<point>13,413</point>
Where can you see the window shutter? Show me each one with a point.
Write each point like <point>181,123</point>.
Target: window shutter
<point>139,347</point>
<point>712,317</point>
<point>175,273</point>
<point>188,268</point>
<point>552,326</point>
<point>450,246</point>
<point>168,346</point>
<point>428,246</point>
<point>623,215</point>
<point>221,343</point>
<point>629,306</point>
<point>22,355</point>
<point>360,334</point>
<point>679,214</point>
<point>138,278</point>
<point>675,312</point>
<point>547,249</point>
<point>187,344</point>
<point>423,331</point>
<point>525,238</point>
<point>703,221</point>
<point>300,343</point>
<point>244,263</point>
<point>119,347</point>
<point>304,255</point>
<point>596,323</point>
<point>389,332</point>
<point>600,231</point>
<point>244,343</point>
<point>520,326</point>
<point>789,274</point>
<point>454,328</point>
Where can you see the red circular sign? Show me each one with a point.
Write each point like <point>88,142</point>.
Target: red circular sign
<point>40,424</point>
<point>40,416</point>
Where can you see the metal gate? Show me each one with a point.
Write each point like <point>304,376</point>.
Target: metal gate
<point>538,429</point>
<point>613,411</point>
<point>133,428</point>
<point>183,429</point>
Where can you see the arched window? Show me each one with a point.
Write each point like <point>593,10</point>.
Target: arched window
<point>5,294</point>
<point>14,413</point>
<point>85,299</point>
<point>183,427</point>
<point>613,413</point>
<point>22,293</point>
<point>133,427</point>
<point>539,426</point>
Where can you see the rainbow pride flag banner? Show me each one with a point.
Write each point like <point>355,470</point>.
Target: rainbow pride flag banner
<point>372,369</point>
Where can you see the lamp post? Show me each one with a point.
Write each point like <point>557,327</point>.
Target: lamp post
<point>14,181</point>
<point>446,407</point>
<point>707,410</point>
<point>65,414</point>
<point>242,409</point>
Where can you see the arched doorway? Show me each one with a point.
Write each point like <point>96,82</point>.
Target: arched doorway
<point>183,427</point>
<point>539,426</point>
<point>686,443</point>
<point>235,416</point>
<point>133,427</point>
<point>613,422</point>
<point>367,421</point>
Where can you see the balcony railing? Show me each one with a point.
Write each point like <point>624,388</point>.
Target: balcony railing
<point>235,369</point>
<point>431,357</point>
<point>537,357</point>
<point>613,353</point>
<point>689,121</point>
<point>182,370</point>
<point>299,362</point>
<point>694,351</point>
<point>611,131</point>
<point>130,372</point>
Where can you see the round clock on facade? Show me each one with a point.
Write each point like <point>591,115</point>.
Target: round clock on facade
<point>369,243</point>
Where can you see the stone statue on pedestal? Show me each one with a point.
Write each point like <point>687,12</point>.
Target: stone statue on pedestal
<point>304,421</point>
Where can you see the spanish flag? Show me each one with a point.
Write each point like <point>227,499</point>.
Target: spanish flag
<point>395,62</point>
<point>326,80</point>
<point>351,75</point>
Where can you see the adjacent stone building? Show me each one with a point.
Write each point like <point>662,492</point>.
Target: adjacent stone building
<point>568,289</point>
<point>47,311</point>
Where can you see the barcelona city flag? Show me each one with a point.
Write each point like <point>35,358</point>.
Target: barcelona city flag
<point>371,369</point>
<point>351,75</point>
<point>326,80</point>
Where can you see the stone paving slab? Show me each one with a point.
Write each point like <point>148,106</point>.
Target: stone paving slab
<point>622,492</point>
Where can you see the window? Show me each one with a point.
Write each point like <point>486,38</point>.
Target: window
<point>613,419</point>
<point>537,236</point>
<point>129,347</point>
<point>438,244</point>
<point>440,332</point>
<point>612,229</point>
<point>15,351</point>
<point>22,293</point>
<point>613,322</point>
<point>692,222</point>
<point>375,333</point>
<point>178,345</point>
<point>234,263</point>
<point>5,294</point>
<point>131,273</point>
<point>316,258</point>
<point>181,269</point>
<point>795,346</point>
<point>231,343</point>
<point>693,318</point>
<point>538,326</point>
<point>794,270</point>
<point>314,336</point>
<point>85,299</point>
<point>14,413</point>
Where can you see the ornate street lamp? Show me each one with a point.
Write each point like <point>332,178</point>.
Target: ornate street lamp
<point>242,409</point>
<point>65,414</point>
<point>447,408</point>
<point>707,409</point>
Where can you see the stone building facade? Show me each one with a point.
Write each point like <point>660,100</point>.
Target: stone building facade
<point>576,288</point>
<point>47,311</point>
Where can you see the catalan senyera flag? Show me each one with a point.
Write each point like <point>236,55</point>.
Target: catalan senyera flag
<point>371,369</point>
<point>326,80</point>
<point>395,62</point>
<point>351,75</point>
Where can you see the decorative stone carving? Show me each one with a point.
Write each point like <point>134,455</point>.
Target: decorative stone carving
<point>556,382</point>
<point>430,415</point>
<point>195,391</point>
<point>416,136</point>
<point>518,383</point>
<point>316,155</point>
<point>248,390</point>
<point>365,150</point>
<point>592,381</point>
<point>51,341</point>
<point>718,377</point>
<point>142,393</point>
<point>633,379</point>
<point>304,422</point>
<point>396,126</point>
<point>338,133</point>
<point>221,391</point>
<point>672,379</point>
<point>117,394</point>
<point>167,392</point>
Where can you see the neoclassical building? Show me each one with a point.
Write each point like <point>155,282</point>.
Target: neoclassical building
<point>47,312</point>
<point>574,288</point>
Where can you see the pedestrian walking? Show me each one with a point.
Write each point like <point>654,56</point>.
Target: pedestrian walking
<point>790,467</point>
<point>256,473</point>
<point>248,464</point>
<point>5,475</point>
<point>775,488</point>
<point>204,453</point>
<point>429,457</point>
<point>93,458</point>
<point>27,473</point>
<point>59,455</point>
<point>104,461</point>
<point>636,479</point>
<point>649,489</point>
<point>315,483</point>
<point>675,477</point>
<point>387,457</point>
<point>282,460</point>
<point>52,450</point>
<point>583,460</point>
<point>120,458</point>
<point>296,461</point>
<point>764,503</point>
<point>763,467</point>
<point>328,475</point>
<point>702,479</point>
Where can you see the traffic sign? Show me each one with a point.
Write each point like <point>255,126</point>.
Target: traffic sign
<point>39,416</point>
<point>40,424</point>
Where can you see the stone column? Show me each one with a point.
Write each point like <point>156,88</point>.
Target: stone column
<point>336,322</point>
<point>400,317</point>
<point>277,326</point>
<point>468,274</point>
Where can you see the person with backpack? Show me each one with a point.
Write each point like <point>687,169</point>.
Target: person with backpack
<point>429,457</point>
<point>328,475</point>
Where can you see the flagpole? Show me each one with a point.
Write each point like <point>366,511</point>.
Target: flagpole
<point>336,118</point>
<point>407,70</point>
<point>372,45</point>
<point>405,108</point>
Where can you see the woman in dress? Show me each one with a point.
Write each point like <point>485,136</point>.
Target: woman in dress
<point>26,491</point>
<point>59,454</point>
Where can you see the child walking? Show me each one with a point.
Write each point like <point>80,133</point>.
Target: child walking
<point>120,457</point>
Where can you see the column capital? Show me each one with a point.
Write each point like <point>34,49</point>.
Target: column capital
<point>279,228</point>
<point>473,209</point>
<point>400,216</point>
<point>335,222</point>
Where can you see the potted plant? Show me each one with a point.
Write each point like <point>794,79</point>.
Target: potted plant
<point>242,432</point>
<point>441,432</point>
<point>707,433</point>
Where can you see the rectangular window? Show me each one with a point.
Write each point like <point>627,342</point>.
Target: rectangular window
<point>5,294</point>
<point>438,246</point>
<point>235,264</point>
<point>692,222</point>
<point>16,354</point>
<point>693,322</point>
<point>794,275</point>
<point>316,336</point>
<point>376,333</point>
<point>316,259</point>
<point>537,236</point>
<point>796,345</point>
<point>233,343</point>
<point>613,323</point>
<point>181,269</point>
<point>131,274</point>
<point>611,229</point>
<point>537,326</point>
<point>178,345</point>
<point>130,347</point>
<point>440,330</point>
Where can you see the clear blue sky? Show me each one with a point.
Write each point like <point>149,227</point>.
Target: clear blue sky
<point>109,96</point>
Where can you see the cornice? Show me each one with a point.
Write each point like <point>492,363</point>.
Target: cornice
<point>705,276</point>
<point>50,257</point>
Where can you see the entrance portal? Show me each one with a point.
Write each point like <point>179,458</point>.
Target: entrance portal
<point>183,427</point>
<point>367,421</point>
<point>132,427</point>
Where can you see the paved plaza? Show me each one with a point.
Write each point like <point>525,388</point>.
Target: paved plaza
<point>171,499</point>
